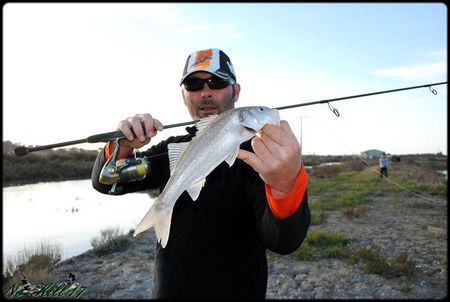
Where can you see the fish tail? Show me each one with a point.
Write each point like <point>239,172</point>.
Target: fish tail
<point>149,219</point>
<point>162,225</point>
<point>159,216</point>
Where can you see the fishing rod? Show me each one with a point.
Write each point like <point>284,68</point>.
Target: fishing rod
<point>104,137</point>
<point>97,138</point>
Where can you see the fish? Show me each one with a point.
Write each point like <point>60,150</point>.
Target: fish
<point>218,139</point>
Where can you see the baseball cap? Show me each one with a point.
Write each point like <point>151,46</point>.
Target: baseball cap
<point>212,60</point>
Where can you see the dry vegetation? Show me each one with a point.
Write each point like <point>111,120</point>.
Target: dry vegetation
<point>345,187</point>
<point>50,165</point>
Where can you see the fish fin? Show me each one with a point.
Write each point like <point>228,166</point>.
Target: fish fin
<point>195,189</point>
<point>204,122</point>
<point>175,151</point>
<point>232,157</point>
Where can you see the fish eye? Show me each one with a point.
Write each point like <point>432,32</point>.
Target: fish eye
<point>261,108</point>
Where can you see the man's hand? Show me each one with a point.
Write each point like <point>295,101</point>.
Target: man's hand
<point>277,157</point>
<point>144,127</point>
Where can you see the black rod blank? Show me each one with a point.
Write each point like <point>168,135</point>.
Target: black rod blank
<point>97,138</point>
<point>104,137</point>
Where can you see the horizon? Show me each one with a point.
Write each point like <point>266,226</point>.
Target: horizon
<point>68,148</point>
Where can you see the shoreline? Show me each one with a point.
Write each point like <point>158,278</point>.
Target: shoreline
<point>128,274</point>
<point>33,182</point>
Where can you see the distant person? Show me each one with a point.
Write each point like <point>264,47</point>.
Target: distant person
<point>383,165</point>
<point>217,244</point>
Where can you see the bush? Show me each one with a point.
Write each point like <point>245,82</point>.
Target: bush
<point>353,212</point>
<point>319,243</point>
<point>111,240</point>
<point>375,263</point>
<point>50,165</point>
<point>36,263</point>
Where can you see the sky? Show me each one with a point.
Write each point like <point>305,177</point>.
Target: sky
<point>71,70</point>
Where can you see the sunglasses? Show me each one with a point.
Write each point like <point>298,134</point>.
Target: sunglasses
<point>196,84</point>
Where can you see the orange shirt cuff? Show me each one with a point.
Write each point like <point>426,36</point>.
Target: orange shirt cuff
<point>286,206</point>
<point>109,149</point>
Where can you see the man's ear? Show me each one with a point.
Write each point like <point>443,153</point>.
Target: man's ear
<point>237,90</point>
<point>182,95</point>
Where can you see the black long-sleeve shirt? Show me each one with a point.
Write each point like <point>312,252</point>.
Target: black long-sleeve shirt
<point>217,244</point>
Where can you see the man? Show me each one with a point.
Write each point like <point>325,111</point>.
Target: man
<point>383,165</point>
<point>217,244</point>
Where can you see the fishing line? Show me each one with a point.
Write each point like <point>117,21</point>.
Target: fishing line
<point>323,124</point>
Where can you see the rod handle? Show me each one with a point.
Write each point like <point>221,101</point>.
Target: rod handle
<point>104,137</point>
<point>21,151</point>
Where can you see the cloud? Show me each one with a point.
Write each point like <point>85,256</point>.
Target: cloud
<point>220,29</point>
<point>416,71</point>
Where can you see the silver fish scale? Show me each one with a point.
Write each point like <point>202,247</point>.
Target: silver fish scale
<point>207,150</point>
<point>218,141</point>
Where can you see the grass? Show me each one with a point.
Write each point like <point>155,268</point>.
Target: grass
<point>320,244</point>
<point>48,165</point>
<point>318,217</point>
<point>354,212</point>
<point>348,188</point>
<point>420,175</point>
<point>375,263</point>
<point>35,263</point>
<point>352,184</point>
<point>436,232</point>
<point>405,287</point>
<point>111,240</point>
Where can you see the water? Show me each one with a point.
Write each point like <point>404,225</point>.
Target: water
<point>444,172</point>
<point>69,213</point>
<point>331,164</point>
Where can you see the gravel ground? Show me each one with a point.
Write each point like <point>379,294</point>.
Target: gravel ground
<point>394,223</point>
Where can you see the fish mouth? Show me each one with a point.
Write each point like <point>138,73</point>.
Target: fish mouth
<point>253,131</point>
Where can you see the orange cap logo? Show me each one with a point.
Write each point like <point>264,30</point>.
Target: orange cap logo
<point>202,59</point>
